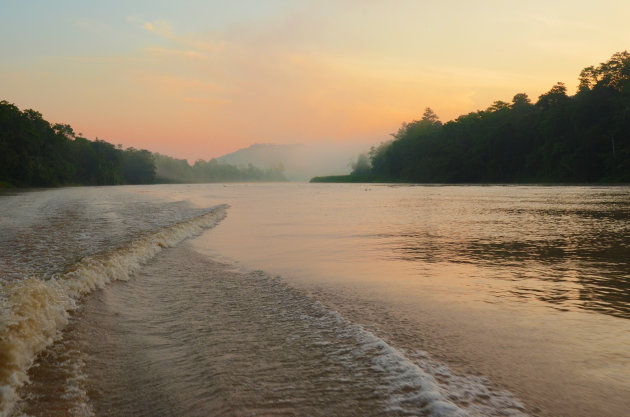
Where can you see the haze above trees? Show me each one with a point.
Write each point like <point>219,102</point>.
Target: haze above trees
<point>299,162</point>
<point>180,171</point>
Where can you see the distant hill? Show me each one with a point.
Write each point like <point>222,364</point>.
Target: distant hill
<point>300,162</point>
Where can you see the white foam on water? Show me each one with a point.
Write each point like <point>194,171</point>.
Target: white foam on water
<point>411,381</point>
<point>407,386</point>
<point>34,311</point>
<point>475,393</point>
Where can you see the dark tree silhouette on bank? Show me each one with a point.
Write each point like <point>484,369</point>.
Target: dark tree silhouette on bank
<point>35,153</point>
<point>559,138</point>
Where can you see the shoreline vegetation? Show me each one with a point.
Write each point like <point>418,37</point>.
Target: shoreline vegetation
<point>36,153</point>
<point>560,139</point>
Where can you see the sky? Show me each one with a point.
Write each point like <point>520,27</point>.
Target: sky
<point>199,79</point>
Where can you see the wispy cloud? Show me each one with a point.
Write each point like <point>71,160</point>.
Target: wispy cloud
<point>159,27</point>
<point>191,47</point>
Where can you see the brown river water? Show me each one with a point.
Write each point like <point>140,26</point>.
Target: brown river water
<point>315,300</point>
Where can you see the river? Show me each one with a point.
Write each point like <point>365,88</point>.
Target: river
<point>315,299</point>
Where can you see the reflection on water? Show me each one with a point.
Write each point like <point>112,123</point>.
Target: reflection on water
<point>567,247</point>
<point>561,251</point>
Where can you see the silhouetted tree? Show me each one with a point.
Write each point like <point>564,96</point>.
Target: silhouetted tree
<point>34,153</point>
<point>560,138</point>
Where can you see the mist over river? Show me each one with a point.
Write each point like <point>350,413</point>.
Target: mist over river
<point>315,300</point>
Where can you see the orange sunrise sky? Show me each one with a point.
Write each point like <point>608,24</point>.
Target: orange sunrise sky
<point>198,79</point>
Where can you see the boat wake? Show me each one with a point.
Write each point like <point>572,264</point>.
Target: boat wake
<point>33,311</point>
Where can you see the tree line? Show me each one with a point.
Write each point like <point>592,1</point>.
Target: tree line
<point>180,171</point>
<point>36,153</point>
<point>559,138</point>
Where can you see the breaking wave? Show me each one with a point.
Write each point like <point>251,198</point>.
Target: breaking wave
<point>33,311</point>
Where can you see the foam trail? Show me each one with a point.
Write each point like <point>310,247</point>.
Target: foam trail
<point>409,388</point>
<point>33,311</point>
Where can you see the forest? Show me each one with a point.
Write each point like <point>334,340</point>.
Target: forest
<point>36,153</point>
<point>172,170</point>
<point>584,138</point>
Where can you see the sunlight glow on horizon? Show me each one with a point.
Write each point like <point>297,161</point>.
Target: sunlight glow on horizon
<point>202,79</point>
